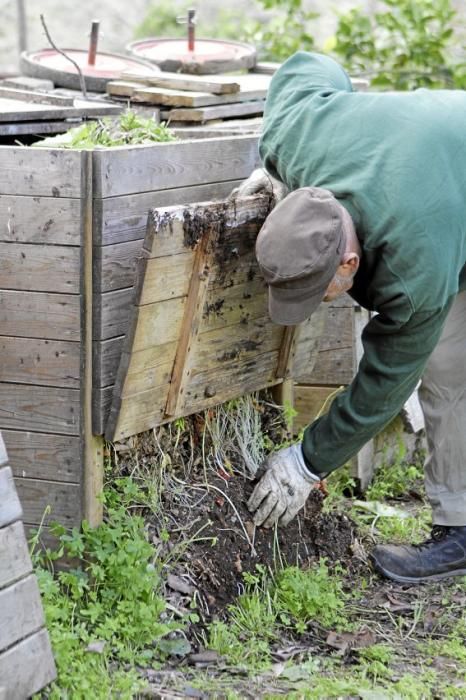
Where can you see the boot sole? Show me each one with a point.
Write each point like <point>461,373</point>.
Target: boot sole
<point>419,579</point>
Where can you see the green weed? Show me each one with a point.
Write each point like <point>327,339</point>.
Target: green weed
<point>108,610</point>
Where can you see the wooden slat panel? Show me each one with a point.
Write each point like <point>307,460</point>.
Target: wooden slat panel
<point>27,667</point>
<point>124,218</point>
<point>39,267</point>
<point>40,172</point>
<point>64,501</point>
<point>21,611</point>
<point>309,401</point>
<point>39,315</point>
<point>48,220</point>
<point>44,456</point>
<point>111,313</point>
<point>15,562</point>
<point>127,170</point>
<point>43,409</point>
<point>45,362</point>
<point>10,507</point>
<point>335,363</point>
<point>106,357</point>
<point>237,346</point>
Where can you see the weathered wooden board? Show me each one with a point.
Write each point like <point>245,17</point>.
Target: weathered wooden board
<point>44,455</point>
<point>40,315</point>
<point>12,110</point>
<point>170,97</point>
<point>10,507</point>
<point>40,408</point>
<point>27,667</point>
<point>124,218</point>
<point>204,114</point>
<point>39,220</point>
<point>39,267</point>
<point>217,347</point>
<point>216,84</point>
<point>23,170</point>
<point>3,453</point>
<point>63,499</point>
<point>106,358</point>
<point>34,97</point>
<point>310,402</point>
<point>125,171</point>
<point>111,315</point>
<point>15,562</point>
<point>44,362</point>
<point>35,128</point>
<point>21,611</point>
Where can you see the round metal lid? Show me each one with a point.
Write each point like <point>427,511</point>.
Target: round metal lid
<point>208,55</point>
<point>49,63</point>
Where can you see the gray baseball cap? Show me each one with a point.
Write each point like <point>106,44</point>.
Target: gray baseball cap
<point>299,249</point>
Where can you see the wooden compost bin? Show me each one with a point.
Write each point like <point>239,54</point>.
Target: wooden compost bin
<point>72,227</point>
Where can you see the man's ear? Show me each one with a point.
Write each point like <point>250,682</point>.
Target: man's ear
<point>350,263</point>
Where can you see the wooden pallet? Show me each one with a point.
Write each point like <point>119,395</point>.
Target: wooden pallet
<point>26,661</point>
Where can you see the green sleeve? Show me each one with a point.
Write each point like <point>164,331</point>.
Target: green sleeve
<point>393,362</point>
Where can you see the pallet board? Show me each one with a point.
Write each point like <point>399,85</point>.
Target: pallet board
<point>206,336</point>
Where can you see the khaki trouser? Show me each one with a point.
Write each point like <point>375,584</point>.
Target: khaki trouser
<point>443,399</point>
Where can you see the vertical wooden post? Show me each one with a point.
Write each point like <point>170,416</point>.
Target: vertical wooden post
<point>91,445</point>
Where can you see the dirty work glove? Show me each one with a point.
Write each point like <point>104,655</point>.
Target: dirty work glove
<point>283,489</point>
<point>260,182</point>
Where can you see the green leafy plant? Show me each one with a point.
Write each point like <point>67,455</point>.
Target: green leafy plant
<point>285,30</point>
<point>409,45</point>
<point>108,609</point>
<point>128,128</point>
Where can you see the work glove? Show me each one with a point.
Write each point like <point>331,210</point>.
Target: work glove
<point>260,182</point>
<point>284,488</point>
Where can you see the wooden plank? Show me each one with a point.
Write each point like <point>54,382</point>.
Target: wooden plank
<point>43,455</point>
<point>111,313</point>
<point>39,315</point>
<point>44,362</point>
<point>216,84</point>
<point>310,402</point>
<point>63,501</point>
<point>35,128</point>
<point>41,409</point>
<point>24,82</point>
<point>106,357</point>
<point>48,220</point>
<point>92,452</point>
<point>286,354</point>
<point>21,611</point>
<point>193,309</point>
<point>204,114</point>
<point>27,667</point>
<point>3,453</point>
<point>183,98</point>
<point>34,97</point>
<point>131,169</point>
<point>124,218</point>
<point>11,110</point>
<point>15,562</point>
<point>39,267</point>
<point>10,507</point>
<point>22,172</point>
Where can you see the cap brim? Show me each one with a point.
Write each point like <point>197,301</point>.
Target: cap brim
<point>288,308</point>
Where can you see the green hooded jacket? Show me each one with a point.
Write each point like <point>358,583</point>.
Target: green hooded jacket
<point>397,162</point>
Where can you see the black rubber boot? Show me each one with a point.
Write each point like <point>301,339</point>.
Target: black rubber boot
<point>441,556</point>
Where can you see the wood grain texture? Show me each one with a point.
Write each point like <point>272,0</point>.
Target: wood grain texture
<point>40,172</point>
<point>15,562</point>
<point>43,455</point>
<point>39,267</point>
<point>124,218</point>
<point>27,667</point>
<point>64,501</point>
<point>181,81</point>
<point>10,507</point>
<point>41,409</point>
<point>309,402</point>
<point>48,220</point>
<point>40,315</point>
<point>227,345</point>
<point>128,170</point>
<point>205,114</point>
<point>44,362</point>
<point>21,611</point>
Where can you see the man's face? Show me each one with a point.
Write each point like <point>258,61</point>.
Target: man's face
<point>341,283</point>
